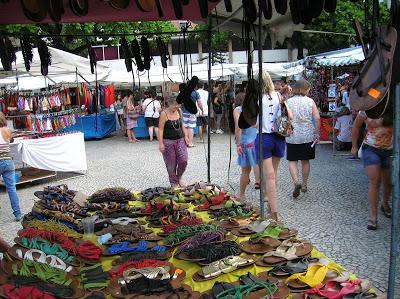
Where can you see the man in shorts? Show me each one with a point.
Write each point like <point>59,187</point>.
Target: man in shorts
<point>202,116</point>
<point>190,120</point>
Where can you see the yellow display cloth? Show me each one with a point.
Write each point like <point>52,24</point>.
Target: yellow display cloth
<point>191,267</point>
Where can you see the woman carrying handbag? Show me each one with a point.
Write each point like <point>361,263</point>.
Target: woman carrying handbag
<point>301,143</point>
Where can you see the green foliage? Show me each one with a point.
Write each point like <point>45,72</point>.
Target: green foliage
<point>219,42</point>
<point>340,21</point>
<point>78,45</point>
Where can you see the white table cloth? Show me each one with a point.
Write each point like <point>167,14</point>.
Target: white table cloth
<point>58,153</point>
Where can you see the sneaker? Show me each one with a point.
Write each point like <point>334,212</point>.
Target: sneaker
<point>212,132</point>
<point>19,218</point>
<point>219,132</point>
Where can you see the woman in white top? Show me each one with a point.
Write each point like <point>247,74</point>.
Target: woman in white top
<point>301,144</point>
<point>273,145</point>
<point>152,108</point>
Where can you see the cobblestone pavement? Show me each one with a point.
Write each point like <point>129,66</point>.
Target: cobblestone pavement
<point>333,214</point>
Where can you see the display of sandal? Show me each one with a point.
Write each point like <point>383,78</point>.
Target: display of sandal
<point>203,239</point>
<point>291,267</point>
<point>183,233</point>
<point>51,259</point>
<point>39,256</point>
<point>290,249</point>
<point>224,266</point>
<point>259,245</point>
<point>315,275</point>
<point>208,253</point>
<point>234,223</point>
<point>335,289</point>
<point>116,194</point>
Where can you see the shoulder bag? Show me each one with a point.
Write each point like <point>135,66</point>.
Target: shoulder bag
<point>282,124</point>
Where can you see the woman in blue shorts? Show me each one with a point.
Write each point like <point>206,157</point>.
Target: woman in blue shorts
<point>273,145</point>
<point>245,142</point>
<point>376,155</point>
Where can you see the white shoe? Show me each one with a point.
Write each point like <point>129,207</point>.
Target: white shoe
<point>212,132</point>
<point>219,132</point>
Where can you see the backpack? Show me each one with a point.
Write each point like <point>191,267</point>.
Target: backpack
<point>370,91</point>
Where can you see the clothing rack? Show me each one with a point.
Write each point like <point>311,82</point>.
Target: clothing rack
<point>59,113</point>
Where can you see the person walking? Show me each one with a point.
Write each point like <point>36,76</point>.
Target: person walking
<point>190,120</point>
<point>301,143</point>
<point>202,116</point>
<point>172,142</point>
<point>152,108</point>
<point>245,143</point>
<point>218,109</point>
<point>273,145</point>
<point>376,155</point>
<point>133,113</point>
<point>7,167</point>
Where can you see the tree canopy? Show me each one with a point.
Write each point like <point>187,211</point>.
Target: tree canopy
<point>342,22</point>
<point>78,45</point>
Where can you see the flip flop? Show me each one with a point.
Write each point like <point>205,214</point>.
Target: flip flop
<point>287,233</point>
<point>290,249</point>
<point>220,287</point>
<point>260,245</point>
<point>316,275</point>
<point>255,227</point>
<point>291,267</point>
<point>224,266</point>
<point>21,253</point>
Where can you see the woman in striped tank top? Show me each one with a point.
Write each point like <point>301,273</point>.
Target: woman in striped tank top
<point>7,168</point>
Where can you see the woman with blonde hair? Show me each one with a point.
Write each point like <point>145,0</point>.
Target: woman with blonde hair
<point>273,145</point>
<point>7,168</point>
<point>301,144</point>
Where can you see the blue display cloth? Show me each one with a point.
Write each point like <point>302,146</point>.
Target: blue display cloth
<point>141,131</point>
<point>95,127</point>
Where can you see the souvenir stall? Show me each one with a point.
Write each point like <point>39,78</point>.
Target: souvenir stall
<point>74,74</point>
<point>193,242</point>
<point>95,121</point>
<point>37,120</point>
<point>328,74</point>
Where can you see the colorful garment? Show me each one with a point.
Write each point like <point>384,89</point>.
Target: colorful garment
<point>377,135</point>
<point>175,157</point>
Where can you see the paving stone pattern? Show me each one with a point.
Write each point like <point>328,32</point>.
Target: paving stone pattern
<point>333,214</point>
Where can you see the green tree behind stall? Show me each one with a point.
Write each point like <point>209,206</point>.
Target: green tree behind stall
<point>340,21</point>
<point>219,43</point>
<point>78,45</point>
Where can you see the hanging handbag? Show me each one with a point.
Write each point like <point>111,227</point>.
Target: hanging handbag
<point>282,125</point>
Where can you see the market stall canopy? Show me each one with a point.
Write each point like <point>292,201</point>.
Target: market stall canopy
<point>12,12</point>
<point>343,57</point>
<point>62,63</point>
<point>276,70</point>
<point>28,82</point>
<point>157,76</point>
<point>277,28</point>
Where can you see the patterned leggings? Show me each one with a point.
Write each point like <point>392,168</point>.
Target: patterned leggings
<point>175,158</point>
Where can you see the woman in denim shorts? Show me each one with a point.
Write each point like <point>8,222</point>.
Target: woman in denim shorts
<point>376,156</point>
<point>273,145</point>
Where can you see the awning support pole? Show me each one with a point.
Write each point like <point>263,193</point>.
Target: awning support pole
<point>210,91</point>
<point>260,115</point>
<point>395,196</point>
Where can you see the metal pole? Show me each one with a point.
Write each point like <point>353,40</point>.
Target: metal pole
<point>260,115</point>
<point>210,91</point>
<point>395,196</point>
